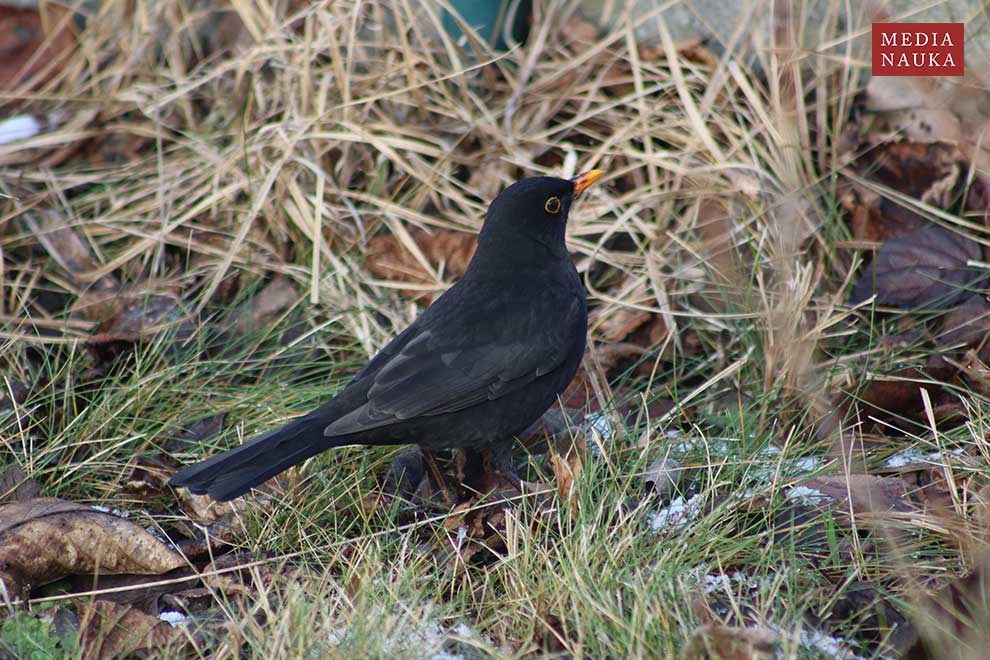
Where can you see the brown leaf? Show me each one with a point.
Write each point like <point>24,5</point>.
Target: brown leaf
<point>448,251</point>
<point>204,510</point>
<point>968,324</point>
<point>31,40</point>
<point>109,630</point>
<point>926,267</point>
<point>721,642</point>
<point>140,317</point>
<point>861,493</point>
<point>46,538</point>
<point>16,486</point>
<point>952,110</point>
<point>72,253</point>
<point>877,622</point>
<point>262,309</point>
<point>931,173</point>
<point>578,34</point>
<point>567,462</point>
<point>615,324</point>
<point>664,475</point>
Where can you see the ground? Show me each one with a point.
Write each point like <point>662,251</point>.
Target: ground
<point>212,215</point>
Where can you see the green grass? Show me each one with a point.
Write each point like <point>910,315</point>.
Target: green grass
<point>281,152</point>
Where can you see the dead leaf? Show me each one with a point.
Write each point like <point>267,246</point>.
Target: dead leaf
<point>926,267</point>
<point>567,462</point>
<point>614,324</point>
<point>860,493</point>
<point>879,625</point>
<point>692,49</point>
<point>447,251</point>
<point>664,475</point>
<point>31,40</point>
<point>110,630</point>
<point>952,110</point>
<point>46,538</point>
<point>932,173</point>
<point>578,33</point>
<point>142,316</point>
<point>966,325</point>
<point>721,642</point>
<point>204,510</point>
<point>258,312</point>
<point>16,486</point>
<point>70,251</point>
<point>895,396</point>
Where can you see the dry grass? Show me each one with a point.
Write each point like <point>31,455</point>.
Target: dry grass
<point>201,153</point>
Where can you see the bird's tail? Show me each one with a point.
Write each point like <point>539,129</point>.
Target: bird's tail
<point>236,471</point>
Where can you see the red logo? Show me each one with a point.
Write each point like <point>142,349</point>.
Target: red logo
<point>918,49</point>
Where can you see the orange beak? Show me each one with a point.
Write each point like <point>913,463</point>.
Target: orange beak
<point>582,181</point>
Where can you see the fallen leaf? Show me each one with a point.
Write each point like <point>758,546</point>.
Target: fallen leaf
<point>952,110</point>
<point>614,324</point>
<point>204,510</point>
<point>193,432</point>
<point>46,538</point>
<point>664,475</point>
<point>258,312</point>
<point>578,33</point>
<point>926,267</point>
<point>31,40</point>
<point>567,461</point>
<point>70,251</point>
<point>110,630</point>
<point>932,173</point>
<point>16,486</point>
<point>967,324</point>
<point>448,251</point>
<point>876,622</point>
<point>893,397</point>
<point>860,493</point>
<point>141,317</point>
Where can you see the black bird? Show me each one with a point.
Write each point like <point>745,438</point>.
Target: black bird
<point>481,364</point>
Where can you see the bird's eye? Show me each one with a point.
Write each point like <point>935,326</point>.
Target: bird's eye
<point>552,205</point>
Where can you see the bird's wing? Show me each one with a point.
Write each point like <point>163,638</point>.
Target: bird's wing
<point>439,370</point>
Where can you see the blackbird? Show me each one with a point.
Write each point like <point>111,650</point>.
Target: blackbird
<point>481,364</point>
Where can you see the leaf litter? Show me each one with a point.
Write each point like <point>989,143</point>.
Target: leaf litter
<point>909,199</point>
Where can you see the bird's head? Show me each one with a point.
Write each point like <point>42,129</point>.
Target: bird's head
<point>535,209</point>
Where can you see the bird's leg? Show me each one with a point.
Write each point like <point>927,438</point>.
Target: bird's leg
<point>444,490</point>
<point>503,470</point>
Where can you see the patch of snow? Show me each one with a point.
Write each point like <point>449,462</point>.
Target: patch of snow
<point>914,455</point>
<point>338,635</point>
<point>114,512</point>
<point>428,638</point>
<point>906,457</point>
<point>676,514</point>
<point>830,646</point>
<point>17,128</point>
<point>713,582</point>
<point>598,423</point>
<point>734,581</point>
<point>158,535</point>
<point>807,496</point>
<point>808,464</point>
<point>174,619</point>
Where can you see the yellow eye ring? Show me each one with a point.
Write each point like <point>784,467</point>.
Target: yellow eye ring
<point>552,205</point>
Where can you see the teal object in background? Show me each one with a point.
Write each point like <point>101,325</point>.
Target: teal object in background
<point>488,18</point>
